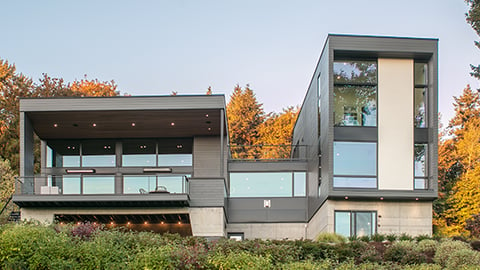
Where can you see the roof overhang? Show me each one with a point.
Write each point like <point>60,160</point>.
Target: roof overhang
<point>126,117</point>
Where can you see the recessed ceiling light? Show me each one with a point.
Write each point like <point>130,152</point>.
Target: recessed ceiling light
<point>94,125</point>
<point>206,115</point>
<point>55,125</point>
<point>179,146</point>
<point>172,124</point>
<point>145,223</point>
<point>209,129</point>
<point>133,124</point>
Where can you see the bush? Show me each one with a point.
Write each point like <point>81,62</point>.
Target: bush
<point>473,226</point>
<point>445,249</point>
<point>330,238</point>
<point>242,260</point>
<point>392,237</point>
<point>378,237</point>
<point>475,245</point>
<point>463,257</point>
<point>404,252</point>
<point>308,265</point>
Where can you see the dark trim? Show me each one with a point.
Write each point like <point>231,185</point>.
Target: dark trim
<point>356,134</point>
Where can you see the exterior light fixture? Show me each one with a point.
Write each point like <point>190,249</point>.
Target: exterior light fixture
<point>94,125</point>
<point>179,222</point>
<point>206,115</point>
<point>112,223</point>
<point>381,198</point>
<point>416,199</point>
<point>133,124</point>
<point>172,124</point>
<point>179,146</point>
<point>158,170</point>
<point>146,223</point>
<point>128,223</point>
<point>209,129</point>
<point>80,171</point>
<point>55,125</point>
<point>346,197</point>
<point>162,222</point>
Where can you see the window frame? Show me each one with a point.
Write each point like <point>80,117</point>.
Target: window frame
<point>355,84</point>
<point>426,176</point>
<point>353,220</point>
<point>426,94</point>
<point>353,176</point>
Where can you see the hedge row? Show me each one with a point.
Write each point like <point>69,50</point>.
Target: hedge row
<point>87,246</point>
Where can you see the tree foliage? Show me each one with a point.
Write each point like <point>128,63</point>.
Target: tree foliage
<point>14,86</point>
<point>473,18</point>
<point>459,167</point>
<point>244,115</point>
<point>7,187</point>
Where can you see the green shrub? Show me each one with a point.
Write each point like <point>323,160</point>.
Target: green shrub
<point>378,237</point>
<point>404,252</point>
<point>463,257</point>
<point>423,237</point>
<point>154,258</point>
<point>242,260</point>
<point>423,266</point>
<point>405,237</point>
<point>445,249</point>
<point>391,237</point>
<point>330,238</point>
<point>365,238</point>
<point>308,265</point>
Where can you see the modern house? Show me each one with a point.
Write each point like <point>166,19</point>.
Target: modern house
<point>363,158</point>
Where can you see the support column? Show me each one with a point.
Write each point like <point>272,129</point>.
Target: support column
<point>26,154</point>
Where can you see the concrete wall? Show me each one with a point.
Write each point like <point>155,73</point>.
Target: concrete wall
<point>413,218</point>
<point>208,222</point>
<point>269,230</point>
<point>395,124</point>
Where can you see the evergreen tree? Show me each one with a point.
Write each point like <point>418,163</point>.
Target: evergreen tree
<point>276,131</point>
<point>244,114</point>
<point>465,200</point>
<point>473,18</point>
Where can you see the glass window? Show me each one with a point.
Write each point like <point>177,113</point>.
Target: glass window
<point>173,184</point>
<point>347,72</point>
<point>139,153</point>
<point>355,158</point>
<point>98,154</point>
<point>343,223</point>
<point>99,184</point>
<point>421,87</point>
<point>421,74</point>
<point>265,184</point>
<point>355,105</point>
<point>133,184</point>
<point>420,165</point>
<point>299,184</point>
<point>71,184</point>
<point>355,182</point>
<point>175,160</point>
<point>358,223</point>
<point>420,101</point>
<point>63,154</point>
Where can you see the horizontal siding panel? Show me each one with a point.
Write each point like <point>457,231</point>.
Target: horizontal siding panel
<point>207,192</point>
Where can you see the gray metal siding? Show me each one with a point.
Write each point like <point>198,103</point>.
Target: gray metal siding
<point>281,210</point>
<point>278,166</point>
<point>206,157</point>
<point>207,192</point>
<point>122,103</point>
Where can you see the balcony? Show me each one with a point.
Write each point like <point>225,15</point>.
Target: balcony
<point>267,153</point>
<point>102,191</point>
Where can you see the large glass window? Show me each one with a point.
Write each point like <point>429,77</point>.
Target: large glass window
<point>421,87</point>
<point>98,154</point>
<point>355,93</point>
<point>267,184</point>
<point>356,223</point>
<point>135,184</point>
<point>175,160</point>
<point>99,184</point>
<point>63,154</point>
<point>420,164</point>
<point>355,165</point>
<point>71,184</point>
<point>139,153</point>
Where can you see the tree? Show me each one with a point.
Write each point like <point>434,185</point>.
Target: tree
<point>7,187</point>
<point>94,88</point>
<point>473,18</point>
<point>244,114</point>
<point>451,163</point>
<point>276,131</point>
<point>465,200</point>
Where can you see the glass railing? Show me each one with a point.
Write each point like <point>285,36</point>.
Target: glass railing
<point>267,152</point>
<point>101,185</point>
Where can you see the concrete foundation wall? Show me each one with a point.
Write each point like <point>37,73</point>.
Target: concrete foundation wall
<point>413,218</point>
<point>269,230</point>
<point>209,222</point>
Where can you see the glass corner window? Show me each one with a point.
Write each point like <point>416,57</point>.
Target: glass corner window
<point>420,94</point>
<point>98,154</point>
<point>355,106</point>
<point>63,154</point>
<point>139,153</point>
<point>355,71</point>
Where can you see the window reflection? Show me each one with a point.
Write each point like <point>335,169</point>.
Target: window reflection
<point>139,153</point>
<point>355,106</point>
<point>420,165</point>
<point>71,184</point>
<point>99,184</point>
<point>267,184</point>
<point>98,154</point>
<point>420,99</point>
<point>355,72</point>
<point>357,223</point>
<point>137,184</point>
<point>175,160</point>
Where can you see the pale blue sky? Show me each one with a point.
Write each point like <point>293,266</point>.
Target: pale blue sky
<point>156,47</point>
